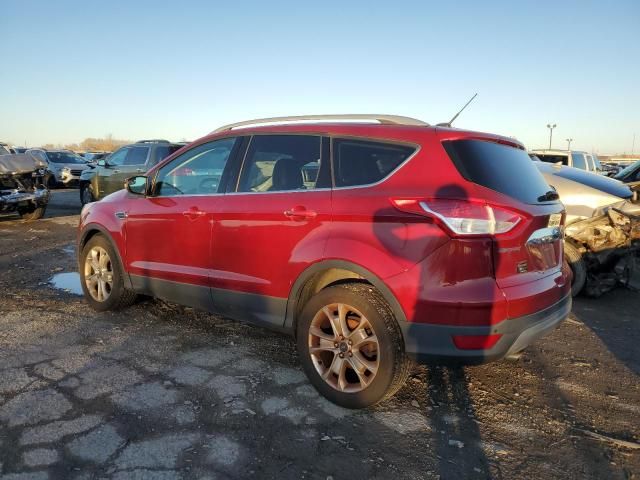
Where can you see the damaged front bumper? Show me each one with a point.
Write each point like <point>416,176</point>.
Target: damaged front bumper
<point>16,200</point>
<point>610,248</point>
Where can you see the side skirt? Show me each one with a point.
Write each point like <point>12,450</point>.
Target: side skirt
<point>252,308</point>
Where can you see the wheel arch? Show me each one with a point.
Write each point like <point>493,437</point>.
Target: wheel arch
<point>331,272</point>
<point>91,231</point>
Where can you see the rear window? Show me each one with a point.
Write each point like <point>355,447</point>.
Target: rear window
<point>359,162</point>
<point>504,169</point>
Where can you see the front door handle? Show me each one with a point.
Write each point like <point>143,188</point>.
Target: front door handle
<point>193,213</point>
<point>300,213</point>
<point>140,170</point>
<point>115,170</point>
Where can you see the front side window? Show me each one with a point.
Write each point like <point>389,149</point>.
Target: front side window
<point>118,157</point>
<point>579,161</point>
<point>137,156</point>
<point>197,171</point>
<point>277,163</point>
<point>360,162</point>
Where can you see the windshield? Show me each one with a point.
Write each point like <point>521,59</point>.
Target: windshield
<point>64,157</point>
<point>625,171</point>
<point>3,151</point>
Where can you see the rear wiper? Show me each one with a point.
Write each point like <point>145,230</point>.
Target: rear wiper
<point>549,196</point>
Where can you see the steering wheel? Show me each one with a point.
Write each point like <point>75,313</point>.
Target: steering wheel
<point>208,185</point>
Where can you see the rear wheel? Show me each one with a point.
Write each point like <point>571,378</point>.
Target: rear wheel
<point>351,347</point>
<point>101,277</point>
<point>578,268</point>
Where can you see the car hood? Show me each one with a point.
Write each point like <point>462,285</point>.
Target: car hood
<point>599,182</point>
<point>582,193</point>
<point>19,163</point>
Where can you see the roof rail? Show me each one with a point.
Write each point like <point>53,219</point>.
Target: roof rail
<point>358,117</point>
<point>157,140</point>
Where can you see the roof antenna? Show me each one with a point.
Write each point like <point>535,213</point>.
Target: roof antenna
<point>450,122</point>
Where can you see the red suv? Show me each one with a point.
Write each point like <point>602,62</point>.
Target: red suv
<point>373,243</point>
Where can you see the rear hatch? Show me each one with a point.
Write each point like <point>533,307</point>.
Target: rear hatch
<point>527,216</point>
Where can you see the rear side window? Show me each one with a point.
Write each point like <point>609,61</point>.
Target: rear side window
<point>360,162</point>
<point>579,161</point>
<point>504,169</point>
<point>277,163</point>
<point>137,156</point>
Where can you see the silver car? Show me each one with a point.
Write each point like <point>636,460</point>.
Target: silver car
<point>601,228</point>
<point>64,165</point>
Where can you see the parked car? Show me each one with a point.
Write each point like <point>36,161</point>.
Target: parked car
<point>5,149</point>
<point>588,199</point>
<point>569,158</point>
<point>411,242</point>
<point>111,172</point>
<point>22,188</point>
<point>20,149</point>
<point>64,165</point>
<point>630,174</point>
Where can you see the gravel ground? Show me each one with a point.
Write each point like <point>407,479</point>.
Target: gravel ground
<point>161,392</point>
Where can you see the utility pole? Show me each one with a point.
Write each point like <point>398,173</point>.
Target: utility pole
<point>550,127</point>
<point>569,140</point>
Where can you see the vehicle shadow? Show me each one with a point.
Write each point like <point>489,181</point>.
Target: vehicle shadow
<point>457,437</point>
<point>620,332</point>
<point>456,434</point>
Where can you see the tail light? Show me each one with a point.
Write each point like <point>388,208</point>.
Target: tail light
<point>463,217</point>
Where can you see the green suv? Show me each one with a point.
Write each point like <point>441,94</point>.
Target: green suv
<point>108,175</point>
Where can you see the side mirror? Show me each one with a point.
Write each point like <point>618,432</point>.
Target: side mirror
<point>136,185</point>
<point>102,163</point>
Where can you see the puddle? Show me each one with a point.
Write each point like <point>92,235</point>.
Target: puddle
<point>68,281</point>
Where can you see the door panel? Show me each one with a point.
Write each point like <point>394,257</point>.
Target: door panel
<point>169,239</point>
<point>168,235</point>
<point>268,232</point>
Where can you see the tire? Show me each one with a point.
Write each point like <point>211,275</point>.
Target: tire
<point>390,360</point>
<point>33,215</point>
<point>86,193</point>
<point>115,295</point>
<point>578,268</point>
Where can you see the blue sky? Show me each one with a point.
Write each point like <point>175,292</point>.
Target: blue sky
<point>76,69</point>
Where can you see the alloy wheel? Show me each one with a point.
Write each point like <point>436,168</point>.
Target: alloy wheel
<point>344,348</point>
<point>98,274</point>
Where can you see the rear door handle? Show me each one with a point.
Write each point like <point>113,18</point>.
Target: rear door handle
<point>116,170</point>
<point>193,213</point>
<point>140,170</point>
<point>300,213</point>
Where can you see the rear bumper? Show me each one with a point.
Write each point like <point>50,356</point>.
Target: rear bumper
<point>428,343</point>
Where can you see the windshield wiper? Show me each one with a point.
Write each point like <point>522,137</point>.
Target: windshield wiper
<point>549,196</point>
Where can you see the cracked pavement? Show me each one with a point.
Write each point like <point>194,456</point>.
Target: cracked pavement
<point>159,391</point>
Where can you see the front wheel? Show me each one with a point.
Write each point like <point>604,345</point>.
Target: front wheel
<point>86,193</point>
<point>351,347</point>
<point>578,268</point>
<point>101,277</point>
<point>35,214</point>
